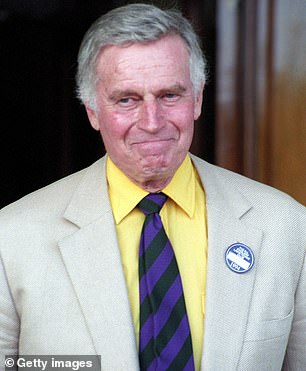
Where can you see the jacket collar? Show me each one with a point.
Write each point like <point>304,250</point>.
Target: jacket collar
<point>90,200</point>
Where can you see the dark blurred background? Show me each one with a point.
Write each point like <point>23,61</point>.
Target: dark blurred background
<point>253,117</point>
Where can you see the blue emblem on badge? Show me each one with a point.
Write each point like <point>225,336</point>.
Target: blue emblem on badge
<point>239,258</point>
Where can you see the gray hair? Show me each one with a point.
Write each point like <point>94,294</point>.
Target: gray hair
<point>134,23</point>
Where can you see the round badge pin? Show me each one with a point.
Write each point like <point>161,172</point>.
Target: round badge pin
<point>239,258</point>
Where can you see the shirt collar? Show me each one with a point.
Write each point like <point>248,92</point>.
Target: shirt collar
<point>125,195</point>
<point>181,189</point>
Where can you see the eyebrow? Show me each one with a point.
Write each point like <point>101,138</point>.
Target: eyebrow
<point>177,88</point>
<point>117,94</point>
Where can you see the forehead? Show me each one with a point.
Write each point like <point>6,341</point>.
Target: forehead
<point>166,56</point>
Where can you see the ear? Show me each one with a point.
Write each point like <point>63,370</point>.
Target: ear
<point>93,117</point>
<point>198,103</point>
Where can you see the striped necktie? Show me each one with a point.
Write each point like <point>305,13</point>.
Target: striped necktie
<point>165,339</point>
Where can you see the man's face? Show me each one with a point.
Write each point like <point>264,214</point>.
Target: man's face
<point>146,109</point>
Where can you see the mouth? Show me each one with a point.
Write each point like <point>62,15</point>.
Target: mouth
<point>153,146</point>
<point>152,141</point>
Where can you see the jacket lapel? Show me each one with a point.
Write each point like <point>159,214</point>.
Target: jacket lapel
<point>228,294</point>
<point>92,260</point>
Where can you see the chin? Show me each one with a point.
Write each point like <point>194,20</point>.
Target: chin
<point>155,165</point>
<point>157,172</point>
<point>157,162</point>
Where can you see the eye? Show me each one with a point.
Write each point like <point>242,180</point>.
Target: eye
<point>170,97</point>
<point>127,102</point>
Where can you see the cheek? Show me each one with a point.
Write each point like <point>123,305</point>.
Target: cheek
<point>183,118</point>
<point>114,126</point>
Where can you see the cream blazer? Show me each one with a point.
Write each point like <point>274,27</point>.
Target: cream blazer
<point>62,287</point>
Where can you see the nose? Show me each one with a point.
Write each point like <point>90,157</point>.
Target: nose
<point>151,118</point>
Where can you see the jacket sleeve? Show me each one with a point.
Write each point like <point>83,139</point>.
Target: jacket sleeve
<point>295,359</point>
<point>9,321</point>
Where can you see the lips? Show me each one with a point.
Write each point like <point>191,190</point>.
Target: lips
<point>152,141</point>
<point>153,146</point>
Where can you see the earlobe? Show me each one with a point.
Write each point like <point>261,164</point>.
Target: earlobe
<point>198,103</point>
<point>93,117</point>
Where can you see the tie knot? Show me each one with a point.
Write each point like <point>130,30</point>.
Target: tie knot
<point>152,203</point>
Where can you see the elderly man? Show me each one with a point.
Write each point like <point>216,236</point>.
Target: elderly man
<point>151,257</point>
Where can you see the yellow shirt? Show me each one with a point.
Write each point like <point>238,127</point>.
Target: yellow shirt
<point>184,219</point>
